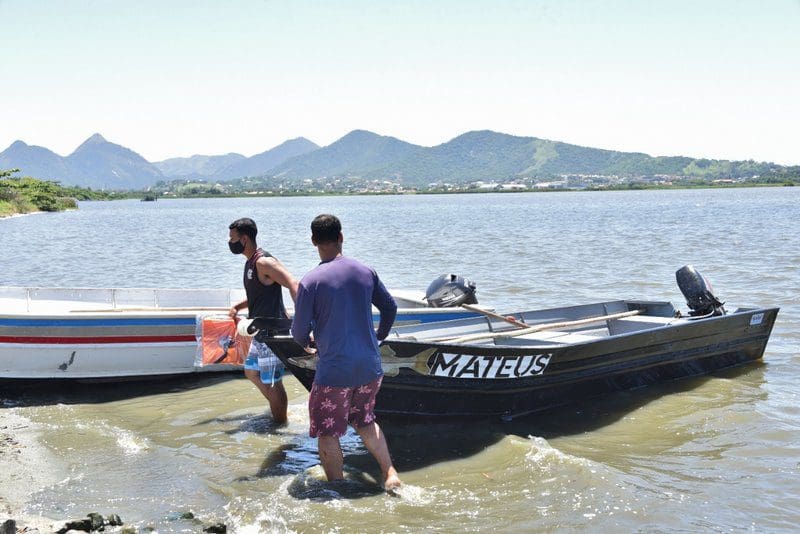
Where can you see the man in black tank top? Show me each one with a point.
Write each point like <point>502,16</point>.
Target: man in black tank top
<point>264,277</point>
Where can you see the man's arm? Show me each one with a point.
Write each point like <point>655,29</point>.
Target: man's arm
<point>385,303</point>
<point>303,310</point>
<point>236,308</point>
<point>275,270</point>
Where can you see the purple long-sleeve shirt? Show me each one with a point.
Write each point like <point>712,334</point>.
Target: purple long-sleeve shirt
<point>335,301</point>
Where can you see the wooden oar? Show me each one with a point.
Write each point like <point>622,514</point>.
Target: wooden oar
<point>477,309</point>
<point>536,328</point>
<point>493,315</point>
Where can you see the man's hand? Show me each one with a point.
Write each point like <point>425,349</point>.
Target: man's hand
<point>236,308</point>
<point>311,348</point>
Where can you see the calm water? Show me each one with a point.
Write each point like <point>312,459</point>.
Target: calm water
<point>715,453</point>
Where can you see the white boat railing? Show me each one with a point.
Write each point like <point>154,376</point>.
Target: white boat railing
<point>66,300</point>
<point>61,300</point>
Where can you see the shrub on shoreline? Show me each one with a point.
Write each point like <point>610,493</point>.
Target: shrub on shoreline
<point>25,194</point>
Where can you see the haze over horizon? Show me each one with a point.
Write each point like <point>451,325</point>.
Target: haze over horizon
<point>713,79</point>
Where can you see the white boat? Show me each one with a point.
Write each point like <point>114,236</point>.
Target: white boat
<point>108,334</point>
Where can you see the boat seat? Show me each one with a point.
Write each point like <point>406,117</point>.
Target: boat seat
<point>626,325</point>
<point>548,337</point>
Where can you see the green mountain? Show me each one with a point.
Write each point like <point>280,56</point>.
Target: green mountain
<point>103,165</point>
<point>491,156</point>
<point>265,162</point>
<point>197,166</point>
<point>359,153</point>
<point>469,157</point>
<point>487,156</point>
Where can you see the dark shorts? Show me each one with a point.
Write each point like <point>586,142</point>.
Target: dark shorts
<point>332,408</point>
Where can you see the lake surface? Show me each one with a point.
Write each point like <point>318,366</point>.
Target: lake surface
<point>718,453</point>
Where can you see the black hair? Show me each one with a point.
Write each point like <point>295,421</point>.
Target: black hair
<point>245,226</point>
<point>326,228</point>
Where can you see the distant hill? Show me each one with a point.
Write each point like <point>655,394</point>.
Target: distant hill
<point>491,156</point>
<point>96,163</point>
<point>99,164</point>
<point>362,155</point>
<point>358,153</point>
<point>232,166</point>
<point>265,162</point>
<point>197,166</point>
<point>103,165</point>
<point>473,156</point>
<point>36,161</point>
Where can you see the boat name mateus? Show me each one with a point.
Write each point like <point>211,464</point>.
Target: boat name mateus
<point>490,367</point>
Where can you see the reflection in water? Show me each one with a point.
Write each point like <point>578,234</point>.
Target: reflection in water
<point>416,445</point>
<point>40,393</point>
<point>255,424</point>
<point>312,485</point>
<point>603,411</point>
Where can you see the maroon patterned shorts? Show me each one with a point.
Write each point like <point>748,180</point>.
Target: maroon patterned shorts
<point>332,408</point>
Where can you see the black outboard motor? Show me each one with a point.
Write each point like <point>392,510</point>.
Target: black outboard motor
<point>698,292</point>
<point>450,290</point>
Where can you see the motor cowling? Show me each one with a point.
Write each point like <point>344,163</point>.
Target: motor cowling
<point>450,290</point>
<point>698,292</point>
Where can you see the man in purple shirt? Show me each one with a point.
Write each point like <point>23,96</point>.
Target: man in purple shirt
<point>335,301</point>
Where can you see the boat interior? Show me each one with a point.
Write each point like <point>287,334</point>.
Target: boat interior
<point>551,327</point>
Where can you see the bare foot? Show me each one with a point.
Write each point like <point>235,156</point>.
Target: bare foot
<point>280,422</point>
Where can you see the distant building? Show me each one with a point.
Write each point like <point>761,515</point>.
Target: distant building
<point>549,185</point>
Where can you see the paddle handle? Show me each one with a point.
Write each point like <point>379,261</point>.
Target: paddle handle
<point>493,315</point>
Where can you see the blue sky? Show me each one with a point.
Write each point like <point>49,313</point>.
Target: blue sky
<point>718,79</point>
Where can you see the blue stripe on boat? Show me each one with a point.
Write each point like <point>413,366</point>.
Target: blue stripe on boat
<point>127,321</point>
<point>183,321</point>
<point>430,317</point>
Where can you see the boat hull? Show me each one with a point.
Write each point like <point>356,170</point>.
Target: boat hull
<point>107,334</point>
<point>450,380</point>
<point>99,346</point>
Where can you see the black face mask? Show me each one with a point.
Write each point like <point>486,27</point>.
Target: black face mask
<point>236,247</point>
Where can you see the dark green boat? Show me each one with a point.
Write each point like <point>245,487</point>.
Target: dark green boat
<point>489,367</point>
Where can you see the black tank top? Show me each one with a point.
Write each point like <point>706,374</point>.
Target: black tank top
<point>262,300</point>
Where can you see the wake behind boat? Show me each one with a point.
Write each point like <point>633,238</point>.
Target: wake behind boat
<point>487,366</point>
<point>112,334</point>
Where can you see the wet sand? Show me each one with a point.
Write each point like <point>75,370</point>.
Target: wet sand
<point>25,467</point>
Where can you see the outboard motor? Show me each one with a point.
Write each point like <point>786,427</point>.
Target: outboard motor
<point>450,290</point>
<point>698,292</point>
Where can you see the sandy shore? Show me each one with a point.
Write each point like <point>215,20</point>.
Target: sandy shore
<point>23,471</point>
<point>19,214</point>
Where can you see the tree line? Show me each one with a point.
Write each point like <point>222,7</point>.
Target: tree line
<point>25,194</point>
